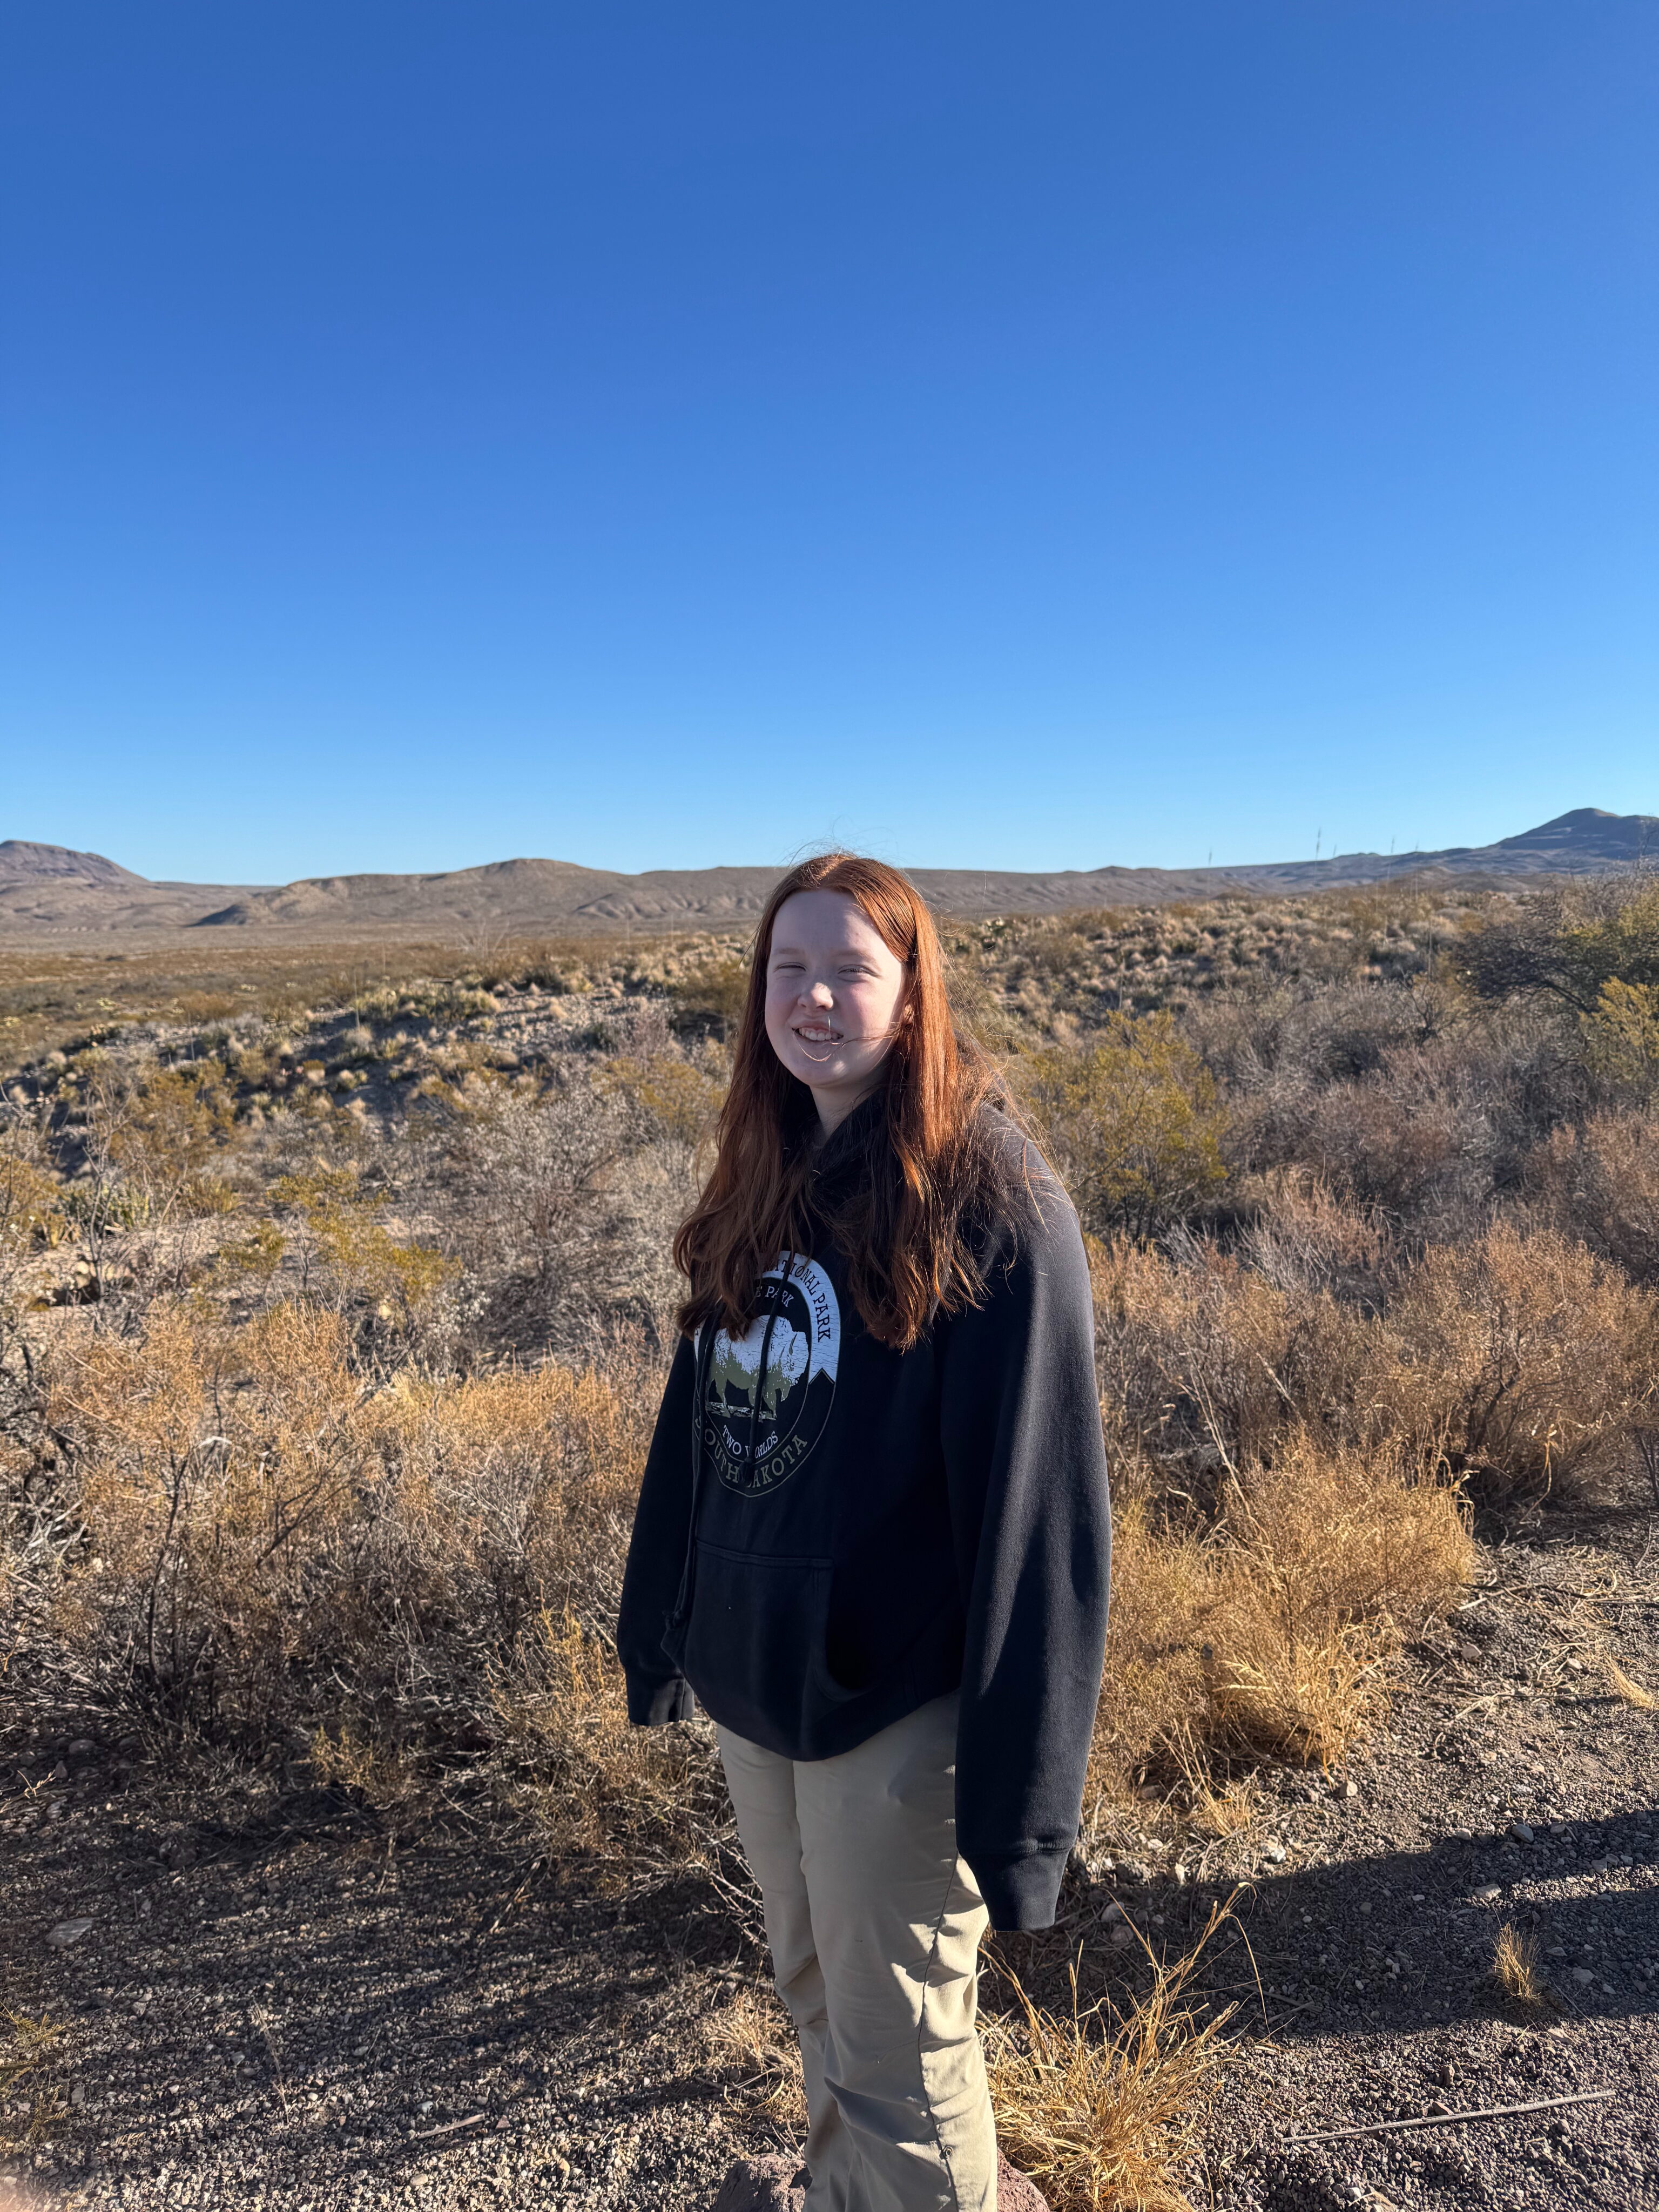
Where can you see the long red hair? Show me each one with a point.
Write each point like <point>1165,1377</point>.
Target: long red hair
<point>904,1222</point>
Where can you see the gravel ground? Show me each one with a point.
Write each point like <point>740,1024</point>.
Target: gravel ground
<point>278,2000</point>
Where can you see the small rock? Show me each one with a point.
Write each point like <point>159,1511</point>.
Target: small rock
<point>1017,2192</point>
<point>67,1932</point>
<point>1489,1893</point>
<point>1598,1866</point>
<point>83,1748</point>
<point>1584,1976</point>
<point>778,2184</point>
<point>1275,1855</point>
<point>1113,1913</point>
<point>1520,1832</point>
<point>1461,1835</point>
<point>1120,1937</point>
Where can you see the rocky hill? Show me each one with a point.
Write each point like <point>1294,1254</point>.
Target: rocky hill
<point>48,891</point>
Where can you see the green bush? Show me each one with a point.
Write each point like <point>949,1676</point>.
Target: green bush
<point>1133,1123</point>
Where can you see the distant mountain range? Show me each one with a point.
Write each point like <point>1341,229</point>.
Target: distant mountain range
<point>47,891</point>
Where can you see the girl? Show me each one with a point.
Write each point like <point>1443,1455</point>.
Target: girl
<point>872,1536</point>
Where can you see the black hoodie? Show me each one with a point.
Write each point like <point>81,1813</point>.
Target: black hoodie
<point>875,1528</point>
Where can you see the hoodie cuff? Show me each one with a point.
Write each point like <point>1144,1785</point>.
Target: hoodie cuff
<point>654,1704</point>
<point>1024,1893</point>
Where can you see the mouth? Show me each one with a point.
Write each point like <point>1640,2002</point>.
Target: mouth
<point>817,1033</point>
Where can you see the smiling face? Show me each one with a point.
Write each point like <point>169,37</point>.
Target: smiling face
<point>835,994</point>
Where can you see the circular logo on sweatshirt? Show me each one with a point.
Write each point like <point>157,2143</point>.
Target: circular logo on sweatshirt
<point>768,1391</point>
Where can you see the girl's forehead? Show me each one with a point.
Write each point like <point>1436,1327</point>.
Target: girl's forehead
<point>825,921</point>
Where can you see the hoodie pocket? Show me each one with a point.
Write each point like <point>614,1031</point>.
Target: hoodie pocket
<point>755,1645</point>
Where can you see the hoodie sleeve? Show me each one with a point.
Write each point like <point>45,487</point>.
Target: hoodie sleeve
<point>656,1692</point>
<point>1026,1466</point>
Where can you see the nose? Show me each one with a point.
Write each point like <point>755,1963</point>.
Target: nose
<point>821,995</point>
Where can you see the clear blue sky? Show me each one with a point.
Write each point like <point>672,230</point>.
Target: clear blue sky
<point>646,433</point>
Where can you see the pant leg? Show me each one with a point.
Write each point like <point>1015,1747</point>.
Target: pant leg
<point>762,1790</point>
<point>897,1921</point>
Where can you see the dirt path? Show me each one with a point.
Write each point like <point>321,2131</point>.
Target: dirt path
<point>279,2002</point>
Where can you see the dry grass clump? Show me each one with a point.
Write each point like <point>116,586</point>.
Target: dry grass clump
<point>1270,1630</point>
<point>1515,1967</point>
<point>1626,1691</point>
<point>31,2056</point>
<point>1100,2109</point>
<point>633,1800</point>
<point>753,2039</point>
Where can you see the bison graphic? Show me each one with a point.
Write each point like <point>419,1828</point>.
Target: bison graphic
<point>734,1369</point>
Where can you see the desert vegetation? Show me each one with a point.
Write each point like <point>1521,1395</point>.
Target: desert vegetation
<point>333,1311</point>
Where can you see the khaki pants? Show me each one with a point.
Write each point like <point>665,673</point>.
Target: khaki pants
<point>874,1924</point>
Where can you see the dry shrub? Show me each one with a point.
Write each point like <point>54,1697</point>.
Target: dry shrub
<point>160,1130</point>
<point>264,1518</point>
<point>1270,1632</point>
<point>1569,942</point>
<point>1600,1181</point>
<point>1301,1237</point>
<point>31,1205</point>
<point>1523,1359</point>
<point>1515,1967</point>
<point>714,992</point>
<point>682,1096</point>
<point>561,1204</point>
<point>1396,1141</point>
<point>274,1543</point>
<point>355,1254</point>
<point>1206,1363</point>
<point>1101,2109</point>
<point>1333,1558</point>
